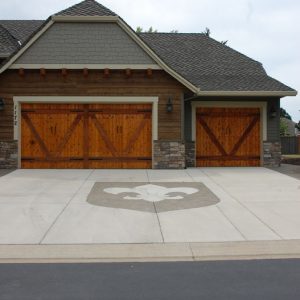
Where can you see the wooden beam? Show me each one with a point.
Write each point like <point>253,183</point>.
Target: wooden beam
<point>106,72</point>
<point>64,72</point>
<point>229,157</point>
<point>21,72</point>
<point>42,72</point>
<point>85,72</point>
<point>149,72</point>
<point>128,72</point>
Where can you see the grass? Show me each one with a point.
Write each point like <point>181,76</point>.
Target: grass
<point>291,156</point>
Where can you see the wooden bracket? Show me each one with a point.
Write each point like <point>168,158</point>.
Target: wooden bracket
<point>149,72</point>
<point>64,72</point>
<point>21,72</point>
<point>106,72</point>
<point>42,72</point>
<point>128,72</point>
<point>85,72</point>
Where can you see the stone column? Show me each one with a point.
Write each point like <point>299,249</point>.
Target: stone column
<point>8,154</point>
<point>169,155</point>
<point>190,154</point>
<point>272,154</point>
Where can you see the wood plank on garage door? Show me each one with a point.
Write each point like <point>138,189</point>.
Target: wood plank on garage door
<point>86,136</point>
<point>228,137</point>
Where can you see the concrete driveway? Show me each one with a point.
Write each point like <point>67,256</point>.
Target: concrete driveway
<point>50,207</point>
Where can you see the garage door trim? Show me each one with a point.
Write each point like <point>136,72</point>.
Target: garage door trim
<point>82,100</point>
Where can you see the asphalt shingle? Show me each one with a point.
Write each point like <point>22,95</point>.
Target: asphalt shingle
<point>86,8</point>
<point>210,65</point>
<point>204,62</point>
<point>21,30</point>
<point>8,44</point>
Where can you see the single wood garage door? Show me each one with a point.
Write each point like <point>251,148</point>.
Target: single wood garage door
<point>228,137</point>
<point>86,136</point>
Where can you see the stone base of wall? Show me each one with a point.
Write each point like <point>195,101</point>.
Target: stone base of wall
<point>272,154</point>
<point>169,155</point>
<point>8,154</point>
<point>190,154</point>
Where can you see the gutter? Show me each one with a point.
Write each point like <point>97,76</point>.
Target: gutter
<point>243,93</point>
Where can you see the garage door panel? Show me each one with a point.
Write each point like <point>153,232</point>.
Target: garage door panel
<point>250,145</point>
<point>228,137</point>
<point>102,136</point>
<point>86,136</point>
<point>137,130</point>
<point>70,142</point>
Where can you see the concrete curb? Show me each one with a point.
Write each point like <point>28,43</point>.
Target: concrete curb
<point>149,252</point>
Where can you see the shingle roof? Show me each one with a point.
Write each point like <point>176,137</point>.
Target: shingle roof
<point>204,62</point>
<point>7,43</point>
<point>210,65</point>
<point>86,8</point>
<point>21,30</point>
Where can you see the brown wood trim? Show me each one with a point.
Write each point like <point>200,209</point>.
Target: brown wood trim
<point>212,136</point>
<point>149,72</point>
<point>52,111</point>
<point>120,111</point>
<point>43,72</point>
<point>64,72</point>
<point>144,110</point>
<point>104,135</point>
<point>106,72</point>
<point>63,159</point>
<point>227,157</point>
<point>122,158</point>
<point>244,135</point>
<point>85,72</point>
<point>21,72</point>
<point>36,134</point>
<point>227,114</point>
<point>51,159</point>
<point>128,72</point>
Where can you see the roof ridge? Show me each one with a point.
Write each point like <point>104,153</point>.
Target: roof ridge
<point>196,33</point>
<point>86,8</point>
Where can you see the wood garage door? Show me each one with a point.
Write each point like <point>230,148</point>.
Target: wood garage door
<point>228,137</point>
<point>86,136</point>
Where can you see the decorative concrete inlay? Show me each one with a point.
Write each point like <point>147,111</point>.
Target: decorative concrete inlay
<point>150,197</point>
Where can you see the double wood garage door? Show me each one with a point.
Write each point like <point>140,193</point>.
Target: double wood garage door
<point>228,137</point>
<point>86,136</point>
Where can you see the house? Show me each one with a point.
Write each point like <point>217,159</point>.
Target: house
<point>84,90</point>
<point>290,127</point>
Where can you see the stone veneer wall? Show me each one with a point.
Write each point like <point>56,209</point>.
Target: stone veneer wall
<point>8,154</point>
<point>272,154</point>
<point>169,155</point>
<point>190,154</point>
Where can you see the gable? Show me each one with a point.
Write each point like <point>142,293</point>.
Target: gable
<point>84,43</point>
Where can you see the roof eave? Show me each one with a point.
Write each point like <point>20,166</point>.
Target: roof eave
<point>248,93</point>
